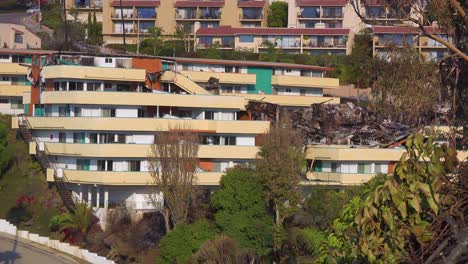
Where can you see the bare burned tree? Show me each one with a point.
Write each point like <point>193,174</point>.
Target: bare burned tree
<point>173,165</point>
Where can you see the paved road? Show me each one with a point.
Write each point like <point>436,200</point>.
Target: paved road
<point>13,251</point>
<point>13,18</point>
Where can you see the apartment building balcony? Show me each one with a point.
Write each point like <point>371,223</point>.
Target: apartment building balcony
<point>349,153</point>
<point>304,82</point>
<point>88,4</point>
<point>94,73</point>
<point>227,46</point>
<point>147,99</point>
<point>145,124</point>
<point>324,45</point>
<point>139,150</point>
<point>226,78</point>
<point>290,100</point>
<point>128,178</point>
<point>330,178</point>
<point>13,89</point>
<point>13,69</point>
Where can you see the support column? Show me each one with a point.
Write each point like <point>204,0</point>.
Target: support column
<point>80,188</point>
<point>106,198</point>
<point>90,202</point>
<point>98,196</point>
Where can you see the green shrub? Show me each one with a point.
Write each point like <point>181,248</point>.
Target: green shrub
<point>180,244</point>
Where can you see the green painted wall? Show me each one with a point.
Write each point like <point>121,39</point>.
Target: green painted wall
<point>263,81</point>
<point>26,109</point>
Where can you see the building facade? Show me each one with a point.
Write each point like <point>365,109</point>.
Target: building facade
<point>13,36</point>
<point>91,120</point>
<point>290,40</point>
<point>134,18</point>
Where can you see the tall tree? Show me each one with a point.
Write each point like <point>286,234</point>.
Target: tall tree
<point>240,210</point>
<point>278,15</point>
<point>279,166</point>
<point>173,163</point>
<point>155,39</point>
<point>400,80</point>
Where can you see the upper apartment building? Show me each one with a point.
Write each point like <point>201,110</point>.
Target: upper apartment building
<point>312,41</point>
<point>134,18</point>
<point>387,37</point>
<point>91,120</point>
<point>84,7</point>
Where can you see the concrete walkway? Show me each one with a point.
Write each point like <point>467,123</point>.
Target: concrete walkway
<point>19,251</point>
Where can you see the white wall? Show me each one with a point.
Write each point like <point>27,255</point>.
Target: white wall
<point>297,91</point>
<point>245,140</point>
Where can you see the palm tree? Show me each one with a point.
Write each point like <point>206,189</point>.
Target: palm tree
<point>81,220</point>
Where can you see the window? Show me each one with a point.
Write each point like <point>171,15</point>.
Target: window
<point>335,167</point>
<point>381,168</point>
<point>288,70</point>
<point>209,115</point>
<point>106,112</point>
<point>4,57</point>
<point>82,164</point>
<point>18,59</point>
<point>121,138</point>
<point>364,168</point>
<point>79,137</point>
<point>231,141</point>
<point>317,166</point>
<point>107,86</point>
<point>62,111</point>
<point>141,112</point>
<point>110,165</point>
<point>108,60</point>
<point>75,86</point>
<point>134,165</point>
<point>78,111</point>
<point>19,38</point>
<point>288,90</point>
<point>93,138</point>
<point>93,86</point>
<point>101,165</point>
<point>246,38</point>
<point>62,137</point>
<point>4,101</point>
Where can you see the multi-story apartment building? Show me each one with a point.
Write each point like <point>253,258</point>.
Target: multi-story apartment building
<point>91,120</point>
<point>173,15</point>
<point>401,37</point>
<point>84,7</point>
<point>290,40</point>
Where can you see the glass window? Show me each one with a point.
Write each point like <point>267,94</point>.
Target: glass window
<point>310,12</point>
<point>110,165</point>
<point>146,12</point>
<point>209,115</point>
<point>62,137</point>
<point>364,168</point>
<point>134,165</point>
<point>108,112</point>
<point>230,141</point>
<point>78,111</point>
<point>19,38</point>
<point>101,165</point>
<point>93,86</point>
<point>93,138</point>
<point>246,38</point>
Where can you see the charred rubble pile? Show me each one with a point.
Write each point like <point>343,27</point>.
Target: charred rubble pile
<point>347,124</point>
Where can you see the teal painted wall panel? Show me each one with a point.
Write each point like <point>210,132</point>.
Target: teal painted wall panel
<point>263,82</point>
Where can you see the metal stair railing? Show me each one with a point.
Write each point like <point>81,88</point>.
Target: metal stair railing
<point>61,183</point>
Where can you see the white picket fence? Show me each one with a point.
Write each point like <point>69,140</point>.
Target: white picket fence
<point>75,251</point>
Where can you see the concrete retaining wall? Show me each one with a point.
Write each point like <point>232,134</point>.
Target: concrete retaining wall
<point>75,251</point>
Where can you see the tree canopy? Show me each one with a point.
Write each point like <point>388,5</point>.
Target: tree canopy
<point>240,210</point>
<point>278,15</point>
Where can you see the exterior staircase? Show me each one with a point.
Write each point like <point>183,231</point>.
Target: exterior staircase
<point>61,183</point>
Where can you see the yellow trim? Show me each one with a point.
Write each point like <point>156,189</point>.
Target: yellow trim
<point>145,124</point>
<point>230,78</point>
<point>305,82</point>
<point>93,73</point>
<point>146,99</point>
<point>13,90</point>
<point>12,69</point>
<point>142,150</point>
